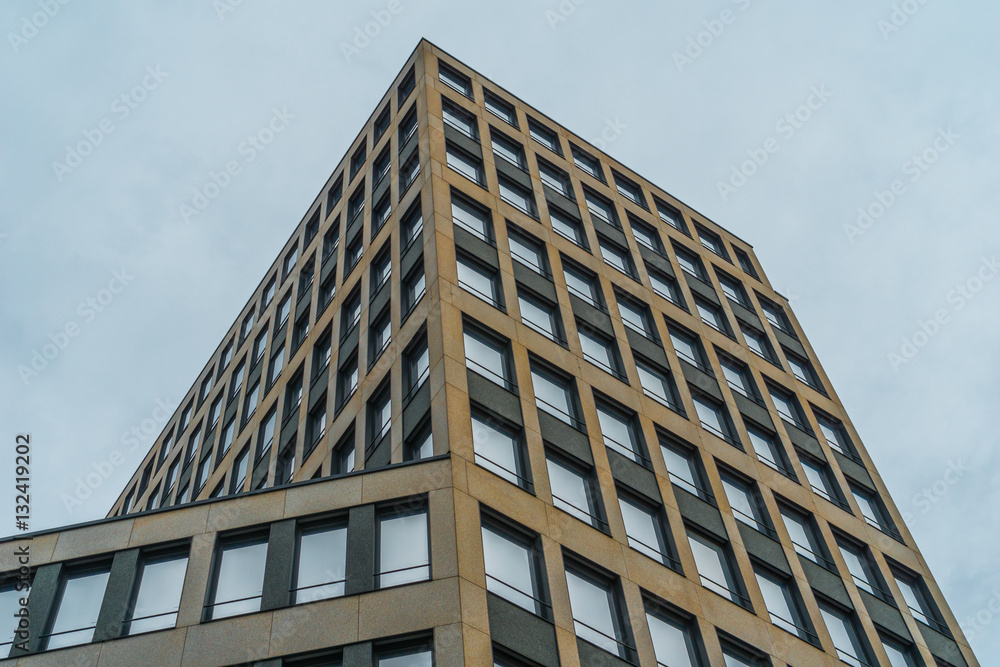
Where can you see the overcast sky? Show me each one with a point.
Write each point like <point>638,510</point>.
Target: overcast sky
<point>98,244</point>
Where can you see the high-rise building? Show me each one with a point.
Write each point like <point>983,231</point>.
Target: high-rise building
<point>500,400</point>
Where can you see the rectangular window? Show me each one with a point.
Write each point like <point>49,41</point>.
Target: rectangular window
<point>465,163</point>
<point>416,364</point>
<point>382,123</point>
<point>666,287</point>
<point>192,447</point>
<point>684,469</point>
<point>517,196</point>
<point>583,284</point>
<point>306,276</point>
<point>555,395</point>
<point>597,610</point>
<point>540,315</point>
<point>744,259</point>
<point>268,295</point>
<point>455,79</point>
<point>714,417</point>
<point>803,535</point>
<point>690,263</point>
<point>316,425</point>
<point>293,396</point>
<point>239,477</point>
<point>157,593</point>
<point>758,343</point>
<point>77,607</point>
<point>358,159</point>
<point>835,434</point>
<point>290,259</point>
<point>567,226</point>
<point>403,547</point>
<point>600,350</point>
<point>347,380</point>
<point>350,313</point>
<point>379,336</point>
<point>489,356</point>
<point>711,241</point>
<point>787,406</point>
<point>500,108</point>
<point>412,225</point>
<point>714,567</point>
<point>355,249</point>
<point>775,315</point>
<point>381,167</point>
<point>224,359</point>
<point>844,633</point>
<point>738,377</point>
<point>186,416</point>
<point>284,308</point>
<point>673,641</point>
<point>636,316</point>
<point>356,204</point>
<point>460,119</point>
<point>380,214</point>
<point>555,178</point>
<point>237,381</point>
<point>228,433</point>
<point>658,384</point>
<point>820,479</point>
<point>321,563</point>
<point>574,490</point>
<point>644,528</point>
<point>862,569</point>
<point>733,289</point>
<point>544,135</point>
<point>343,455</point>
<point>10,604</point>
<point>284,470</point>
<point>381,269</point>
<point>498,448</point>
<point>418,654</point>
<point>670,215</point>
<point>527,250</point>
<point>238,582</point>
<point>206,386</point>
<point>276,364</point>
<point>802,370</point>
<point>918,601</point>
<point>334,194</point>
<point>765,446</point>
<point>414,288</point>
<point>322,352</point>
<point>746,504</point>
<point>587,163</point>
<point>781,602</point>
<point>204,470</point>
<point>214,412</point>
<point>646,236</point>
<point>506,148</point>
<point>259,347</point>
<point>601,208</point>
<point>616,256</point>
<point>420,445</point>
<point>380,414</point>
<point>406,86</point>
<point>712,315</point>
<point>514,564</point>
<point>629,189</point>
<point>471,217</point>
<point>899,654</point>
<point>873,510</point>
<point>620,431</point>
<point>250,402</point>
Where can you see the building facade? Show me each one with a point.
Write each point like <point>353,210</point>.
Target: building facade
<point>499,401</point>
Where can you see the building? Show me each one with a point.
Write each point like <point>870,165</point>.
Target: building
<point>499,401</point>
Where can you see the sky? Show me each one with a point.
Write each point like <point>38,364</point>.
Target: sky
<point>854,145</point>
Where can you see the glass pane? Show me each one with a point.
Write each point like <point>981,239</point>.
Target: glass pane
<point>777,601</point>
<point>403,549</point>
<point>483,356</point>
<point>470,218</point>
<point>711,567</point>
<point>857,569</point>
<point>685,348</point>
<point>710,416</point>
<point>475,280</point>
<point>570,492</point>
<point>159,596</point>
<point>597,351</point>
<point>565,226</point>
<point>615,258</point>
<point>618,433</point>
<point>537,315</point>
<point>527,253</point>
<point>897,657</point>
<point>741,502</point>
<point>679,465</point>
<point>322,565</point>
<point>843,636</point>
<point>495,450</point>
<point>79,607</point>
<point>10,603</point>
<point>633,317</point>
<point>510,563</point>
<point>913,600</point>
<point>764,448</point>
<point>420,658</point>
<point>642,531</point>
<point>671,643</point>
<point>552,397</point>
<point>654,383</point>
<point>592,612</point>
<point>581,286</point>
<point>801,535</point>
<point>241,576</point>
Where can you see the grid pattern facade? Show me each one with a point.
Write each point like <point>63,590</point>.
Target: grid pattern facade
<point>605,433</point>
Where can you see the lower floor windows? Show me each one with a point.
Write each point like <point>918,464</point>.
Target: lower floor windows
<point>498,449</point>
<point>403,547</point>
<point>239,577</point>
<point>77,608</point>
<point>321,563</point>
<point>409,654</point>
<point>513,563</point>
<point>158,593</point>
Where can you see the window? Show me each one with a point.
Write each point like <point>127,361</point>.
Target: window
<point>347,380</point>
<point>290,259</point>
<point>412,225</point>
<point>157,594</point>
<point>259,347</point>
<point>616,256</point>
<point>738,377</point>
<point>670,215</point>
<point>620,431</point>
<point>646,236</point>
<point>517,196</point>
<point>514,565</point>
<point>379,336</point>
<point>543,135</point>
<point>358,159</point>
<point>508,149</point>
<point>322,351</point>
<point>403,547</point>
<point>740,655</point>
<point>268,295</point>
<point>500,108</point>
<point>312,228</point>
<point>845,635</point>
<point>802,370</point>
<point>479,279</point>
<point>334,194</point>
<point>540,315</point>
<point>583,284</point>
<point>665,286</point>
<point>498,449</point>
<point>284,470</point>
<point>455,79</point>
<point>555,395</point>
<point>420,655</point>
<point>567,226</point>
<point>488,356</point>
<point>416,364</point>
<point>186,416</point>
<point>316,426</point>
<point>237,382</point>
<point>587,163</point>
<point>629,189</point>
<point>321,563</point>
<point>10,604</point>
<point>555,178</point>
<point>733,289</point>
<point>684,470</point>
<point>673,644</point>
<point>644,528</point>
<point>191,449</point>
<point>350,314</point>
<point>380,414</point>
<point>356,204</point>
<point>293,396</point>
<point>353,254</point>
<point>835,434</point>
<point>873,510</point>
<point>819,476</point>
<point>600,351</point>
<point>465,163</point>
<point>239,476</point>
<point>862,569</point>
<point>802,532</point>
<point>714,567</point>
<point>787,406</point>
<point>77,607</point>
<point>284,308</point>
<point>636,316</point>
<point>239,577</point>
<point>744,259</point>
<point>471,217</point>
<point>758,343</point>
<point>658,384</point>
<point>775,315</point>
<point>214,412</point>
<point>574,490</point>
<point>406,86</point>
<point>420,445</point>
<point>746,504</point>
<point>276,364</point>
<point>250,402</point>
<point>601,208</point>
<point>206,386</point>
<point>527,250</point>
<point>224,359</point>
<point>712,315</point>
<point>899,654</point>
<point>711,241</point>
<point>381,269</point>
<point>713,417</point>
<point>228,432</point>
<point>343,455</point>
<point>381,167</point>
<point>380,214</point>
<point>690,263</point>
<point>687,347</point>
<point>414,287</point>
<point>459,119</point>
<point>382,123</point>
<point>765,446</point>
<point>916,598</point>
<point>204,470</point>
<point>781,602</point>
<point>596,605</point>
